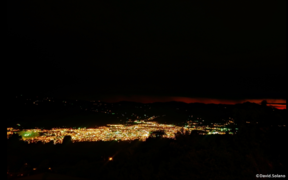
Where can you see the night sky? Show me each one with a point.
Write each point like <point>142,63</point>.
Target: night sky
<point>104,49</point>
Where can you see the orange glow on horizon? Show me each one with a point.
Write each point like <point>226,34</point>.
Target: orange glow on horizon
<point>276,103</point>
<point>278,106</point>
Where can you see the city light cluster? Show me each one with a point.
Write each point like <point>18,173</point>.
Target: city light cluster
<point>114,132</point>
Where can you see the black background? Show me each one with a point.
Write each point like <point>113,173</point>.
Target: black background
<point>217,49</point>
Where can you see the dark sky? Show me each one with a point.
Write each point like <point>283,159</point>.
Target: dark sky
<point>217,49</point>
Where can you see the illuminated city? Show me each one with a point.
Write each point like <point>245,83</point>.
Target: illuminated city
<point>115,132</point>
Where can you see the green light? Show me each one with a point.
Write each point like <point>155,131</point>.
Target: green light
<point>28,134</point>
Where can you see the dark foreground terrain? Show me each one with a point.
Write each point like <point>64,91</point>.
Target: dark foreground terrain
<point>252,151</point>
